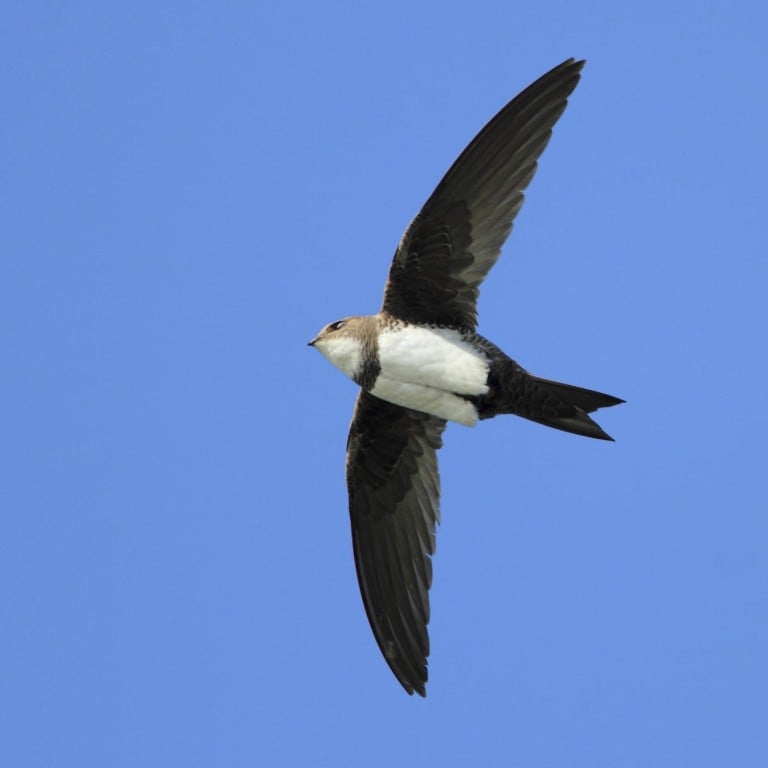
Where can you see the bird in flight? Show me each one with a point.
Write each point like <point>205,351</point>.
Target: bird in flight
<point>420,363</point>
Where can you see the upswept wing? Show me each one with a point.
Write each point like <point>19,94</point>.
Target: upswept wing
<point>455,239</point>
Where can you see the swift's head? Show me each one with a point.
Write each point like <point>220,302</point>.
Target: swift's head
<point>343,343</point>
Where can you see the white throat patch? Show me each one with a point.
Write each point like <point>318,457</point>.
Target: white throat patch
<point>345,352</point>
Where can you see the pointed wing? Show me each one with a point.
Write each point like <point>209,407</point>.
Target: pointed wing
<point>394,492</point>
<point>455,239</point>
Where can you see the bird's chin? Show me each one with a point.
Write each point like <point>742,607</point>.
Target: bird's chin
<point>320,346</point>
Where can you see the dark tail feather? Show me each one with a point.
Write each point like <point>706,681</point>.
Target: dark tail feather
<point>566,407</point>
<point>586,399</point>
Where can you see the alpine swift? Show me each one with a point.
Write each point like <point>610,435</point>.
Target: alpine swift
<point>420,363</point>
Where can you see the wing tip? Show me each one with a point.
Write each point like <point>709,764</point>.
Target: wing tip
<point>414,686</point>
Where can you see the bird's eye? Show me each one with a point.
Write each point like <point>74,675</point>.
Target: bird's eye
<point>335,326</point>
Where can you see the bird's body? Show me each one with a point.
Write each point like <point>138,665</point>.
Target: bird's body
<point>420,363</point>
<point>427,368</point>
<point>452,375</point>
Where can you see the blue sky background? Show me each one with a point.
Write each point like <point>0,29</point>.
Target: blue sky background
<point>188,192</point>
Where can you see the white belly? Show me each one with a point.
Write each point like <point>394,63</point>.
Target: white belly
<point>437,402</point>
<point>427,369</point>
<point>437,358</point>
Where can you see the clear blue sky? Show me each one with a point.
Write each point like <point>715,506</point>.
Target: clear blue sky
<point>188,192</point>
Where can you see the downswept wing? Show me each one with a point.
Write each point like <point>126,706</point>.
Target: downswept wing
<point>448,249</point>
<point>394,493</point>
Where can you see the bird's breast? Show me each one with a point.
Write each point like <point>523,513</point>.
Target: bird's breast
<point>438,358</point>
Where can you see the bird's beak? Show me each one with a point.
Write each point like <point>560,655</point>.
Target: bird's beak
<point>312,343</point>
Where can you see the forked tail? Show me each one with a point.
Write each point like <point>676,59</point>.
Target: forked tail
<point>565,407</point>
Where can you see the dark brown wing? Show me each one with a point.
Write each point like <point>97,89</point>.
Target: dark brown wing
<point>394,493</point>
<point>450,246</point>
